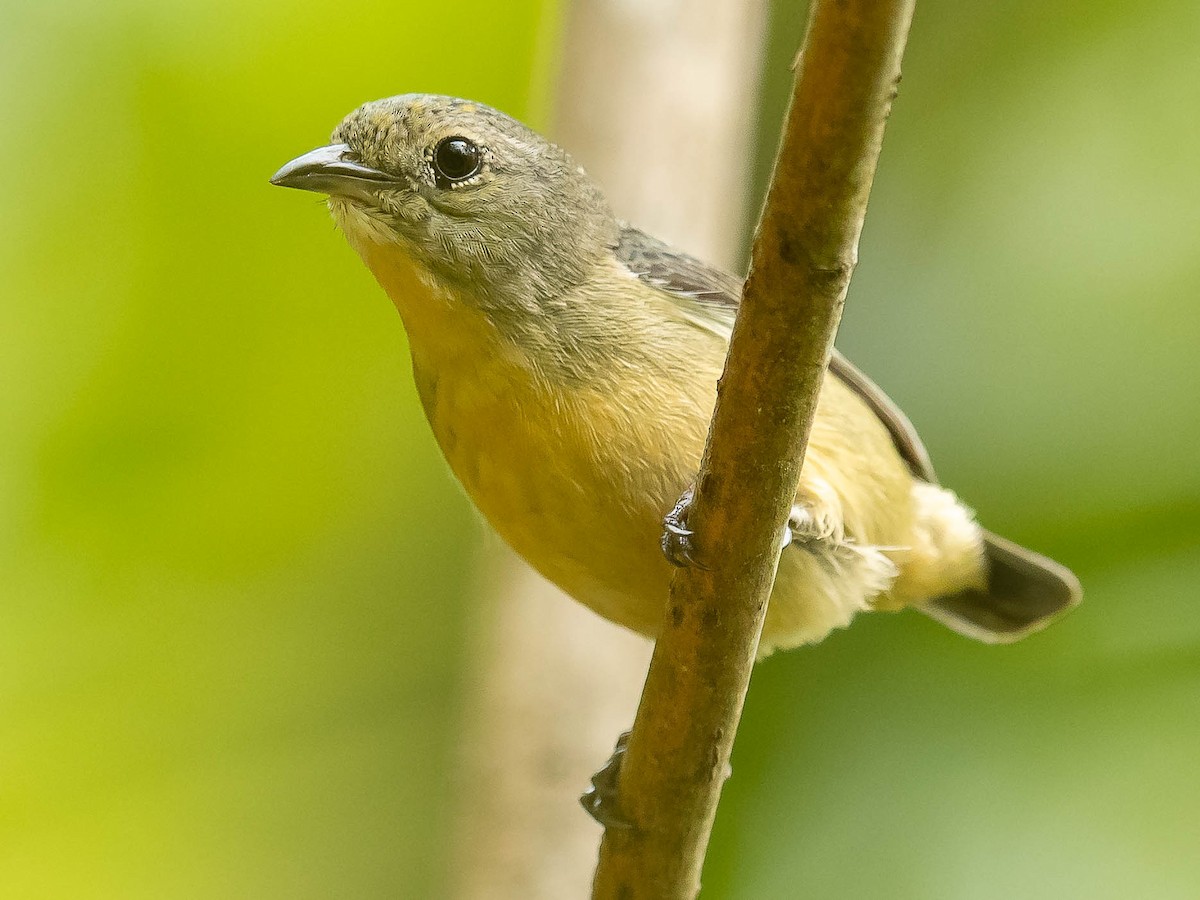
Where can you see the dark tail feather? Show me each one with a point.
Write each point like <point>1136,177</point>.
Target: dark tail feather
<point>1026,592</point>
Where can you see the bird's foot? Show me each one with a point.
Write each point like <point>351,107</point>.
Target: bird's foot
<point>807,526</point>
<point>602,800</point>
<point>678,541</point>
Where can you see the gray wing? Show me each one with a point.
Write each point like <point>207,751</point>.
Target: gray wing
<point>714,293</point>
<point>904,435</point>
<point>708,298</point>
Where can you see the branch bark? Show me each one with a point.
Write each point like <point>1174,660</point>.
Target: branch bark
<point>805,249</point>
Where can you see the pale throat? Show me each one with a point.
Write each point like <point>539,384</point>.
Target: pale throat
<point>440,327</point>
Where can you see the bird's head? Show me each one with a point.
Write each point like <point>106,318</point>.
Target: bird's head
<point>490,208</point>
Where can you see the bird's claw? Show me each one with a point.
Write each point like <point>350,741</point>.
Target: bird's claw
<point>602,799</point>
<point>678,545</point>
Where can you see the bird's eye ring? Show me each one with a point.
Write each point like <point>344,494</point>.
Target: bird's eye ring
<point>456,159</point>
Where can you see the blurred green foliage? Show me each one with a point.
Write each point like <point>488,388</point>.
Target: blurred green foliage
<point>231,561</point>
<point>232,565</point>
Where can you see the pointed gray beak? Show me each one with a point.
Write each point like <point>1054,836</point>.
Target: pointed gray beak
<point>327,171</point>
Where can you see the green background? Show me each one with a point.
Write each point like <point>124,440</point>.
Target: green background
<point>233,569</point>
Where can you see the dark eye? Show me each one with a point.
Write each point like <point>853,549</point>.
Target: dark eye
<point>456,158</point>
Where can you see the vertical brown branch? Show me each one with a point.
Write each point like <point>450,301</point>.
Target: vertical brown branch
<point>804,252</point>
<point>541,712</point>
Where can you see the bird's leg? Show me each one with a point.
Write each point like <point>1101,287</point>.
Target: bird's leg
<point>602,800</point>
<point>816,516</point>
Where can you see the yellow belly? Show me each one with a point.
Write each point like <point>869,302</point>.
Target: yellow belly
<point>577,475</point>
<point>576,478</point>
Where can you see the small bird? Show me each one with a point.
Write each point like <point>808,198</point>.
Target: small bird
<point>567,364</point>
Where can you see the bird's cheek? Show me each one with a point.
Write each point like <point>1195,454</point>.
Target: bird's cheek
<point>410,210</point>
